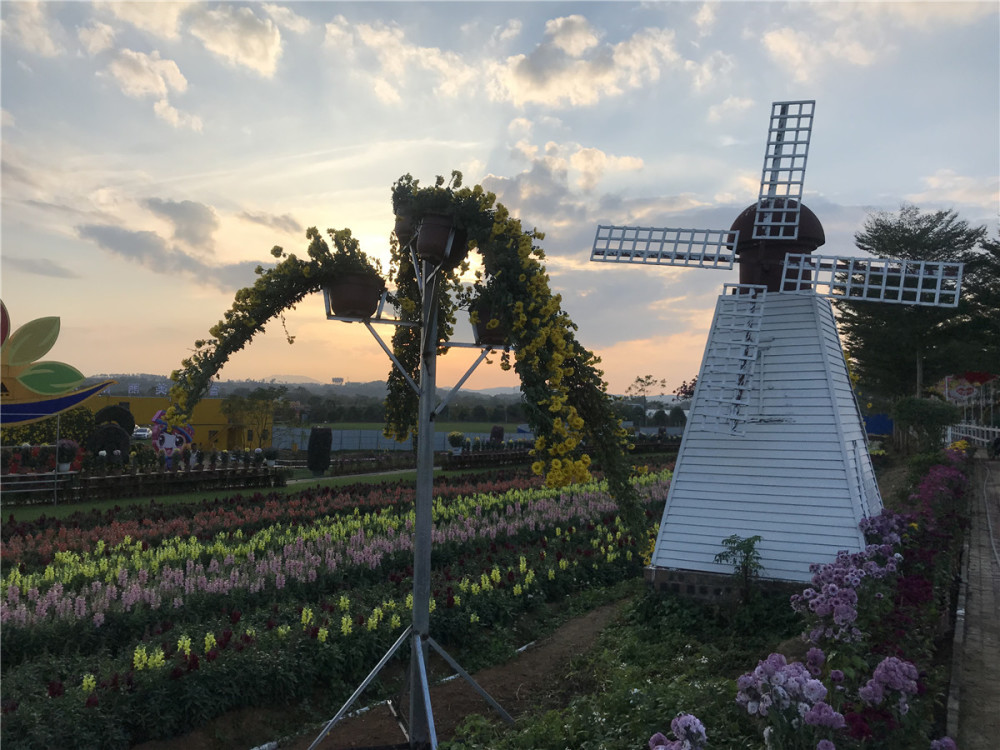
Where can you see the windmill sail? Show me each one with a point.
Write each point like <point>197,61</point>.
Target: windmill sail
<point>906,282</point>
<point>701,248</point>
<point>726,382</point>
<point>784,170</point>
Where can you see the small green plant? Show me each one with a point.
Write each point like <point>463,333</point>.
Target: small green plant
<point>456,439</point>
<point>742,554</point>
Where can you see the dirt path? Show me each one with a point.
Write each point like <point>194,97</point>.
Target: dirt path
<point>527,683</point>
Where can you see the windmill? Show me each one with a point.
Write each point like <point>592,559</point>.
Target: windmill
<point>774,444</point>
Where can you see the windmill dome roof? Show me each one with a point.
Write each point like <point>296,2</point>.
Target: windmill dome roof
<point>811,232</point>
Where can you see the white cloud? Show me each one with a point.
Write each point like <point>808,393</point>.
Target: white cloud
<point>730,105</point>
<point>139,74</point>
<point>946,186</point>
<point>338,36</point>
<point>6,119</point>
<point>178,119</point>
<point>716,65</point>
<point>30,25</point>
<point>520,125</point>
<point>572,34</point>
<point>287,18</point>
<point>396,61</point>
<point>704,19</point>
<point>592,163</point>
<point>96,38</point>
<point>159,19</point>
<point>860,34</point>
<point>239,37</point>
<point>550,76</point>
<point>510,30</point>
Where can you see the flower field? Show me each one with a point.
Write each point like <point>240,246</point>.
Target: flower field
<point>143,622</point>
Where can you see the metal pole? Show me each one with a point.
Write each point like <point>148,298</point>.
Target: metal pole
<point>420,729</point>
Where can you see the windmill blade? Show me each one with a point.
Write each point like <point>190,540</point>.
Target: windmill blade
<point>784,170</point>
<point>905,282</point>
<point>701,248</point>
<point>726,381</point>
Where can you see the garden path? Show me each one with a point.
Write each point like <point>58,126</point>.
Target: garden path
<point>977,644</point>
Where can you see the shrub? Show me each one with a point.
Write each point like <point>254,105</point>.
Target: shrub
<point>318,451</point>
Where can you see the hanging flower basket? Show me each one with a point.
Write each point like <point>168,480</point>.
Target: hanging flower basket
<point>404,230</point>
<point>356,295</point>
<point>432,241</point>
<point>496,336</point>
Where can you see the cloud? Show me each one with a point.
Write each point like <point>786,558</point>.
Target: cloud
<point>151,251</point>
<point>165,111</point>
<point>947,186</point>
<point>139,74</point>
<point>240,38</point>
<point>557,74</point>
<point>286,18</point>
<point>592,163</point>
<point>6,119</point>
<point>730,105</point>
<point>194,223</point>
<point>510,30</point>
<point>704,19</point>
<point>400,62</point>
<point>29,24</point>
<point>572,34</point>
<point>38,267</point>
<point>96,38</point>
<point>717,65</point>
<point>829,35</point>
<point>158,19</point>
<point>283,223</point>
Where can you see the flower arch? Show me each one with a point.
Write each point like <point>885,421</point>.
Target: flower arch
<point>565,395</point>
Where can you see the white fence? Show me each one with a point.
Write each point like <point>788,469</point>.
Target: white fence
<point>976,434</point>
<point>288,438</point>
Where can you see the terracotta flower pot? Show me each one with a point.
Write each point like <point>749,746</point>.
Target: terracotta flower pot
<point>404,230</point>
<point>356,295</point>
<point>432,241</point>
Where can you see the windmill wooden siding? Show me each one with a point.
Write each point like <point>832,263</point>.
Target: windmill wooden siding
<point>801,476</point>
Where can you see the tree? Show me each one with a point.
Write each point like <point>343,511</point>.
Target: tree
<point>897,350</point>
<point>254,411</point>
<point>641,388</point>
<point>685,391</point>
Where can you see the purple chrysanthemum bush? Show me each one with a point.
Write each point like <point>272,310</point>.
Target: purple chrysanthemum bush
<point>870,619</point>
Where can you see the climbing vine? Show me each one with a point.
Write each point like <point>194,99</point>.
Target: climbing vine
<point>564,392</point>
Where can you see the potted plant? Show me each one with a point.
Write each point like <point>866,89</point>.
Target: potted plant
<point>456,440</point>
<point>434,213</point>
<point>356,284</point>
<point>271,455</point>
<point>66,451</point>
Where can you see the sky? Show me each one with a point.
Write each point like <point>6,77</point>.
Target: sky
<point>153,153</point>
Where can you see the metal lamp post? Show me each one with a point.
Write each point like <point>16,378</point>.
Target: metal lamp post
<point>421,730</point>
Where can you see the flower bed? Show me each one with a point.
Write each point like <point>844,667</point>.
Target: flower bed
<point>872,618</point>
<point>113,643</point>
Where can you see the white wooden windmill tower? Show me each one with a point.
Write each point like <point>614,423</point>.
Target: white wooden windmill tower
<point>774,445</point>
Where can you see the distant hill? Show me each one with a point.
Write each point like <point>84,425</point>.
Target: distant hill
<point>145,384</point>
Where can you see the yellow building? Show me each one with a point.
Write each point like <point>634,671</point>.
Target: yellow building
<point>212,430</point>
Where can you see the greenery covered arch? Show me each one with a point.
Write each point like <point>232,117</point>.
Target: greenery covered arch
<point>565,395</point>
